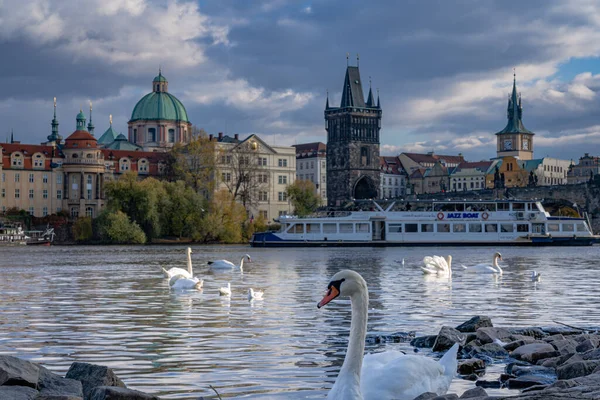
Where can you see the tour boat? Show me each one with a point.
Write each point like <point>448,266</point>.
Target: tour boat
<point>44,238</point>
<point>432,223</point>
<point>12,234</point>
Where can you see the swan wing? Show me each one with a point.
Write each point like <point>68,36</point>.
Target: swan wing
<point>428,270</point>
<point>177,271</point>
<point>221,264</point>
<point>186,283</point>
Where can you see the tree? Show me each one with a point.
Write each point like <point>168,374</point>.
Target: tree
<point>304,197</point>
<point>82,229</point>
<point>224,221</point>
<point>116,227</point>
<point>195,163</point>
<point>181,210</point>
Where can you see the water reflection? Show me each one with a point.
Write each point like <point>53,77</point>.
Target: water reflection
<point>112,305</point>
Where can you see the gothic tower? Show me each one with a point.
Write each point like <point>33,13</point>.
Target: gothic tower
<point>514,139</point>
<point>353,143</point>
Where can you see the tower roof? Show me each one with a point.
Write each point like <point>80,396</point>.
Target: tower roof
<point>514,114</point>
<point>159,77</point>
<point>352,93</point>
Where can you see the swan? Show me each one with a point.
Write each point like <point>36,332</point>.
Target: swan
<point>387,375</point>
<point>180,282</point>
<point>180,271</point>
<point>484,268</point>
<point>437,265</point>
<point>229,264</point>
<point>535,276</point>
<point>255,294</point>
<point>225,291</point>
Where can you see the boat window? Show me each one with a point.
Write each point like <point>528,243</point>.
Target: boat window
<point>346,228</point>
<point>426,227</point>
<point>581,227</point>
<point>459,228</point>
<point>329,228</point>
<point>503,206</point>
<point>362,228</point>
<point>395,228</point>
<point>553,227</point>
<point>460,207</point>
<point>443,228</point>
<point>568,227</point>
<point>474,227</point>
<point>491,228</point>
<point>313,228</point>
<point>412,227</point>
<point>489,207</point>
<point>298,228</point>
<point>518,206</point>
<point>532,207</point>
<point>522,227</point>
<point>506,228</point>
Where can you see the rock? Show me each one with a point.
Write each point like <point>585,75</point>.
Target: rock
<point>577,369</point>
<point>586,345</point>
<point>447,337</point>
<point>553,338</point>
<point>479,321</point>
<point>487,335</point>
<point>493,350</point>
<point>488,384</point>
<point>473,393</point>
<point>536,333</point>
<point>519,370</point>
<point>526,381</point>
<point>450,396</point>
<point>504,377</point>
<point>586,336</point>
<point>396,337</point>
<point>471,336</point>
<point>565,346</point>
<point>52,384</point>
<point>426,396</point>
<point>57,397</point>
<point>470,366</point>
<point>471,377</point>
<point>520,342</point>
<point>17,393</point>
<point>91,376</point>
<point>424,341</point>
<point>17,372</point>
<point>118,393</point>
<point>534,352</point>
<point>591,355</point>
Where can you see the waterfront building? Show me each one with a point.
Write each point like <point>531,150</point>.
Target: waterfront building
<point>515,140</point>
<point>428,173</point>
<point>311,165</point>
<point>393,178</point>
<point>587,167</point>
<point>256,174</point>
<point>159,119</point>
<point>547,171</point>
<point>469,176</point>
<point>353,143</point>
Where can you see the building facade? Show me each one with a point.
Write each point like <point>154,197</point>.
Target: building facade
<point>469,176</point>
<point>353,143</point>
<point>159,119</point>
<point>393,178</point>
<point>311,165</point>
<point>256,173</point>
<point>430,172</point>
<point>515,140</point>
<point>587,167</point>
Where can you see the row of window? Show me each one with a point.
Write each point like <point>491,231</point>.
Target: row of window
<point>261,178</point>
<point>261,161</point>
<point>32,178</point>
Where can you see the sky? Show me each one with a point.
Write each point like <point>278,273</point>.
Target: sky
<point>444,69</point>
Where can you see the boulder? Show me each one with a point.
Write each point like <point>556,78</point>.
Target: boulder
<point>489,384</point>
<point>565,346</point>
<point>534,352</point>
<point>474,393</point>
<point>424,341</point>
<point>591,355</point>
<point>53,384</point>
<point>493,350</point>
<point>587,345</point>
<point>470,366</point>
<point>447,337</point>
<point>57,397</point>
<point>519,370</point>
<point>118,393</point>
<point>91,376</point>
<point>526,381</point>
<point>553,338</point>
<point>17,372</point>
<point>426,396</point>
<point>17,393</point>
<point>487,335</point>
<point>536,333</point>
<point>577,369</point>
<point>510,346</point>
<point>479,321</point>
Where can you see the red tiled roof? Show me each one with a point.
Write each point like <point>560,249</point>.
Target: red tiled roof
<point>483,165</point>
<point>432,158</point>
<point>310,147</point>
<point>81,135</point>
<point>390,165</point>
<point>27,149</point>
<point>151,156</point>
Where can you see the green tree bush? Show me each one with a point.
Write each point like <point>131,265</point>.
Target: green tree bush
<point>82,229</point>
<point>304,197</point>
<point>117,228</point>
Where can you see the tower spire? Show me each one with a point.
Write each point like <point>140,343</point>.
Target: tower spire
<point>54,136</point>
<point>12,136</point>
<point>327,102</point>
<point>110,119</point>
<point>90,124</point>
<point>378,102</point>
<point>370,99</point>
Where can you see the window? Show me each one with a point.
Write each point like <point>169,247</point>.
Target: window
<point>74,212</point>
<point>395,228</point>
<point>581,227</point>
<point>459,228</point>
<point>31,193</point>
<point>58,209</point>
<point>17,160</point>
<point>522,227</point>
<point>226,176</point>
<point>441,228</point>
<point>89,194</point>
<point>346,228</point>
<point>263,196</point>
<point>59,194</point>
<point>45,193</point>
<point>263,178</point>
<point>282,196</point>
<point>428,227</point>
<point>553,227</point>
<point>506,228</point>
<point>45,178</point>
<point>17,177</point>
<point>491,228</point>
<point>143,166</point>
<point>262,161</point>
<point>313,228</point>
<point>31,178</point>
<point>17,193</point>
<point>3,177</point>
<point>568,227</point>
<point>263,214</point>
<point>3,193</point>
<point>362,228</point>
<point>474,227</point>
<point>45,211</point>
<point>152,134</point>
<point>38,161</point>
<point>329,228</point>
<point>89,211</point>
<point>31,210</point>
<point>282,179</point>
<point>282,162</point>
<point>59,179</point>
<point>171,135</point>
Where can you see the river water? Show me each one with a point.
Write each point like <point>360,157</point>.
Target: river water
<point>112,306</point>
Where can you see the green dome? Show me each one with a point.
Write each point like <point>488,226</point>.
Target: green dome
<point>159,106</point>
<point>108,137</point>
<point>159,78</point>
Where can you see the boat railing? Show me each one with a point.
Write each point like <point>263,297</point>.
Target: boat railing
<point>319,214</point>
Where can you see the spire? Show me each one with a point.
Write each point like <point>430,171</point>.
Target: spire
<point>12,136</point>
<point>514,112</point>
<point>54,136</point>
<point>370,100</point>
<point>81,121</point>
<point>91,125</point>
<point>327,103</point>
<point>352,93</point>
<point>110,119</point>
<point>378,102</point>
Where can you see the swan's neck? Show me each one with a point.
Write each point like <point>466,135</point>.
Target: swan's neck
<point>496,266</point>
<point>449,261</point>
<point>242,263</point>
<point>358,331</point>
<point>189,262</point>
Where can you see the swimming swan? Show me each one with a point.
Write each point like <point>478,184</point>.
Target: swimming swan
<point>225,291</point>
<point>484,268</point>
<point>180,282</point>
<point>386,375</point>
<point>437,265</point>
<point>228,264</point>
<point>180,271</point>
<point>255,294</point>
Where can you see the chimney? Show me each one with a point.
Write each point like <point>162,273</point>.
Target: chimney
<point>220,135</point>
<point>236,136</point>
<point>210,137</point>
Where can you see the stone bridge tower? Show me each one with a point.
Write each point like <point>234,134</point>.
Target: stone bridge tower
<point>353,143</point>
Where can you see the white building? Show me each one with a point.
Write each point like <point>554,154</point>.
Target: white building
<point>469,176</point>
<point>311,165</point>
<point>588,167</point>
<point>549,171</point>
<point>393,178</point>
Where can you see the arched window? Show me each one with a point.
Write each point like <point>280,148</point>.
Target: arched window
<point>364,156</point>
<point>171,135</point>
<point>152,134</point>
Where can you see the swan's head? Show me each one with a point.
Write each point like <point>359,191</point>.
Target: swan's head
<point>344,283</point>
<point>189,250</point>
<point>199,284</point>
<point>498,255</point>
<point>248,257</point>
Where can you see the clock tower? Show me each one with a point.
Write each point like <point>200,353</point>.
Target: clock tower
<point>514,140</point>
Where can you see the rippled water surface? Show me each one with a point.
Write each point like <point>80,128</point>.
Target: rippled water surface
<point>112,306</point>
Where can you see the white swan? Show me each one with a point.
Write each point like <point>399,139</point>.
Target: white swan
<point>228,264</point>
<point>180,282</point>
<point>225,291</point>
<point>387,375</point>
<point>484,268</point>
<point>437,265</point>
<point>535,276</point>
<point>255,294</point>
<point>180,271</point>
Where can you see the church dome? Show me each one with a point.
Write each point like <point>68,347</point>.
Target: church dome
<point>159,105</point>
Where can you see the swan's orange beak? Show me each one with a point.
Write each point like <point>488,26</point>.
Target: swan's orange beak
<point>332,293</point>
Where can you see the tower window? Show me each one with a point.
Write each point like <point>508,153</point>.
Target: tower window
<point>171,135</point>
<point>364,156</point>
<point>152,134</point>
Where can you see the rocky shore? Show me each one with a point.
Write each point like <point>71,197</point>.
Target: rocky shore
<point>543,363</point>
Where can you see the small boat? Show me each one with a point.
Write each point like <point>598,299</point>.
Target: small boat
<point>12,234</point>
<point>43,238</point>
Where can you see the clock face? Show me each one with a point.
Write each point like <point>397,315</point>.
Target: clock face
<point>526,144</point>
<point>508,144</point>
